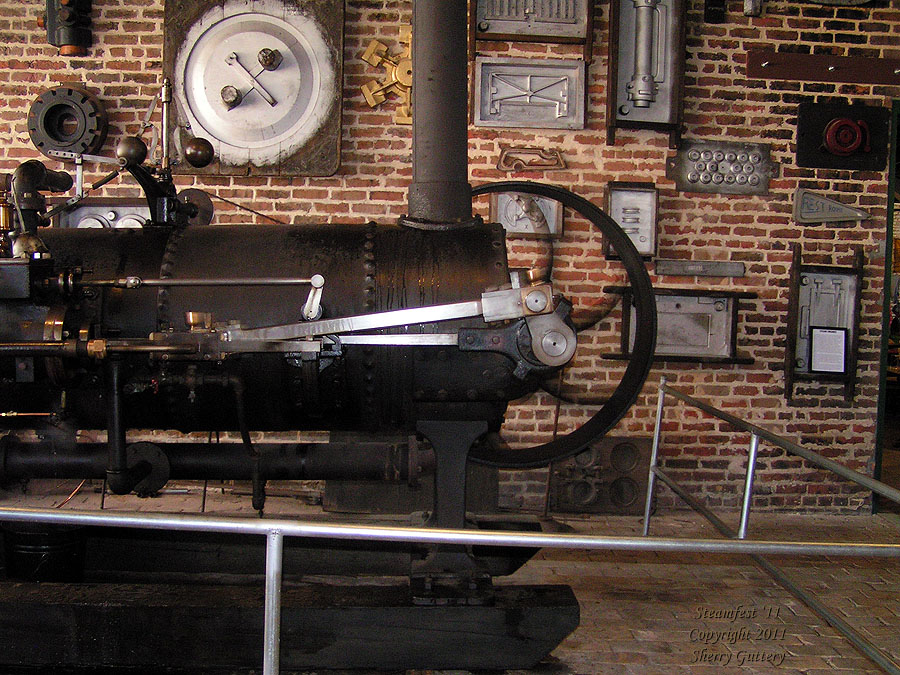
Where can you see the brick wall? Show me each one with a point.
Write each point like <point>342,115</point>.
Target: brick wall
<point>124,68</point>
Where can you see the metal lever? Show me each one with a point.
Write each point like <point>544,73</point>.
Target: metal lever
<point>232,60</point>
<point>312,310</point>
<point>493,306</point>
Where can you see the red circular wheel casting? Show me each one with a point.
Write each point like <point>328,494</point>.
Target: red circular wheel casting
<point>844,136</point>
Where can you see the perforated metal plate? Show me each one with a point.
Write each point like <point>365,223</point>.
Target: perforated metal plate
<point>727,168</point>
<point>280,119</point>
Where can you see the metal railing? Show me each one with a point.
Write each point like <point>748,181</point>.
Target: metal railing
<point>757,433</point>
<point>276,529</point>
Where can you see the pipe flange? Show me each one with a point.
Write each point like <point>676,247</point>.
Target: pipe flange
<point>67,119</point>
<point>160,470</point>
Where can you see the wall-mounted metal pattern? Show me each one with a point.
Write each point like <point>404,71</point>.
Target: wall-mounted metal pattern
<point>835,135</point>
<point>693,324</point>
<point>826,300</point>
<point>532,19</point>
<point>646,66</point>
<point>529,93</point>
<point>810,207</point>
<point>530,159</point>
<point>527,215</point>
<point>699,268</point>
<point>261,81</point>
<point>722,167</point>
<point>397,79</point>
<point>610,476</point>
<point>633,206</point>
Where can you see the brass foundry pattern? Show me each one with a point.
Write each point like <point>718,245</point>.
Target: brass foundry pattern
<point>397,79</point>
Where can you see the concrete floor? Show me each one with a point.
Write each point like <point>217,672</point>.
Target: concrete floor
<point>660,612</point>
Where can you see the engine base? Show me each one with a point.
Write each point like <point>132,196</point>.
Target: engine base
<point>113,628</point>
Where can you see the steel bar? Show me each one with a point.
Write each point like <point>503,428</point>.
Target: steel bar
<point>397,317</point>
<point>748,486</point>
<point>139,282</point>
<point>405,339</point>
<point>858,641</point>
<point>692,501</point>
<point>272,627</point>
<point>425,535</point>
<point>654,454</point>
<point>166,99</point>
<point>814,458</point>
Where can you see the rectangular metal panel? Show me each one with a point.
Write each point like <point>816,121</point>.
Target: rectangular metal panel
<point>663,50</point>
<point>529,93</point>
<point>827,300</point>
<point>693,326</point>
<point>633,207</point>
<point>15,279</point>
<point>539,19</point>
<point>699,268</point>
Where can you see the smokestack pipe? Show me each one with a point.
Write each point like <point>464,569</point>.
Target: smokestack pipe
<point>440,196</point>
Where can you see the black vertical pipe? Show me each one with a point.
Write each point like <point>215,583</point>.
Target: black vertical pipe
<point>440,194</point>
<point>117,462</point>
<point>120,478</point>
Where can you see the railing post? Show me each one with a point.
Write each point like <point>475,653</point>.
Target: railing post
<point>651,476</point>
<point>272,634</point>
<point>748,485</point>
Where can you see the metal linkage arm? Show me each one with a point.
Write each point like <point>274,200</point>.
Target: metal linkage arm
<point>493,306</point>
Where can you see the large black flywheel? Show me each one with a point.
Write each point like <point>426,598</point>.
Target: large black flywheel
<point>641,358</point>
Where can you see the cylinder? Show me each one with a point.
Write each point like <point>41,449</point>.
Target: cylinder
<point>642,87</point>
<point>367,269</point>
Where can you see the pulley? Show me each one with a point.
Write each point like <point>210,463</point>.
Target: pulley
<point>67,119</point>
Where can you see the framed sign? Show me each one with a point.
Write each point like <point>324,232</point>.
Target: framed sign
<point>827,350</point>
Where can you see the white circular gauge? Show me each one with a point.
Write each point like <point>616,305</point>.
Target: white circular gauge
<point>252,82</point>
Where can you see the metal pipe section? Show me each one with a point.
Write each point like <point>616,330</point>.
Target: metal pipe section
<point>426,535</point>
<point>228,461</point>
<point>272,620</point>
<point>691,501</point>
<point>861,479</point>
<point>654,454</point>
<point>748,486</point>
<point>119,476</point>
<point>440,195</point>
